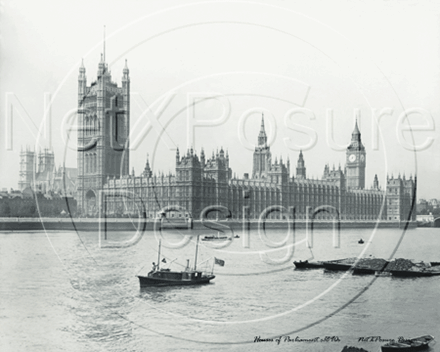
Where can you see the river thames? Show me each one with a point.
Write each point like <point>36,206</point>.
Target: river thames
<point>61,292</point>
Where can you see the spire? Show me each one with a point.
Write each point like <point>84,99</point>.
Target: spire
<point>356,143</point>
<point>177,156</point>
<point>356,128</point>
<point>262,138</point>
<point>125,71</point>
<point>375,182</point>
<point>82,72</point>
<point>103,47</point>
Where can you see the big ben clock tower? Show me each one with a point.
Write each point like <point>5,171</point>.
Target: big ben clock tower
<point>356,160</point>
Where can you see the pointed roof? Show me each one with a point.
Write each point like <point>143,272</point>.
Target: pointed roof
<point>82,69</point>
<point>356,143</point>
<point>356,129</point>
<point>262,137</point>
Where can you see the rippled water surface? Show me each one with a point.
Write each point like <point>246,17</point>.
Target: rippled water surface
<point>60,292</point>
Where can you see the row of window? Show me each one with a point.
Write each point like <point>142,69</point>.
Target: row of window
<point>90,163</point>
<point>91,125</point>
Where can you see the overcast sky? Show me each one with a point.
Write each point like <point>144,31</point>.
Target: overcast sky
<point>294,61</point>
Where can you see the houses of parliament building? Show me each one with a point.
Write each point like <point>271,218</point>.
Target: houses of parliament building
<point>201,180</point>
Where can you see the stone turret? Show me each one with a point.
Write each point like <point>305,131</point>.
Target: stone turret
<point>262,156</point>
<point>301,168</point>
<point>147,171</point>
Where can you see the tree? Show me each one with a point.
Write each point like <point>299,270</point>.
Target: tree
<point>5,210</point>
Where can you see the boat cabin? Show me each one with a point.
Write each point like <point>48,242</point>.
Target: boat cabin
<point>166,274</point>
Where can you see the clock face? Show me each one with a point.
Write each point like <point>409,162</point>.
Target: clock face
<point>362,158</point>
<point>352,157</point>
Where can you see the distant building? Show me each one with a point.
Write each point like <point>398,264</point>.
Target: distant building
<point>422,205</point>
<point>434,203</point>
<point>39,173</point>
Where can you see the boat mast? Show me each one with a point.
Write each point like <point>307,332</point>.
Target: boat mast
<point>158,256</point>
<point>195,258</point>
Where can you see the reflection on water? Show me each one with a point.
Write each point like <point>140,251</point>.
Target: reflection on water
<point>163,294</point>
<point>60,295</point>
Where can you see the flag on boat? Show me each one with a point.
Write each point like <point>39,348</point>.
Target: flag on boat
<point>164,260</point>
<point>219,261</point>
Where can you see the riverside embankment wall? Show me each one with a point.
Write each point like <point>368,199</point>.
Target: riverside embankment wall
<point>75,224</point>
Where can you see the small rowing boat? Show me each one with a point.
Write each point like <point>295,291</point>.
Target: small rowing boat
<point>415,344</point>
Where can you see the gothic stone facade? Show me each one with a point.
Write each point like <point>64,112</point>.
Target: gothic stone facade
<point>104,124</point>
<point>200,182</point>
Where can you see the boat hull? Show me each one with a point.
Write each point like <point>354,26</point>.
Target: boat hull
<point>337,266</point>
<point>146,281</point>
<point>363,271</point>
<point>308,265</point>
<point>413,273</point>
<point>216,238</point>
<point>407,348</point>
<point>416,344</point>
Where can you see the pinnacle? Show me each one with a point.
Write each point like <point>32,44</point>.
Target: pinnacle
<point>356,128</point>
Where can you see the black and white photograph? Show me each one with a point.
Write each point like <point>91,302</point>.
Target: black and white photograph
<point>220,175</point>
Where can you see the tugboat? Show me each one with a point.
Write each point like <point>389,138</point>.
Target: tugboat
<point>165,277</point>
<point>361,241</point>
